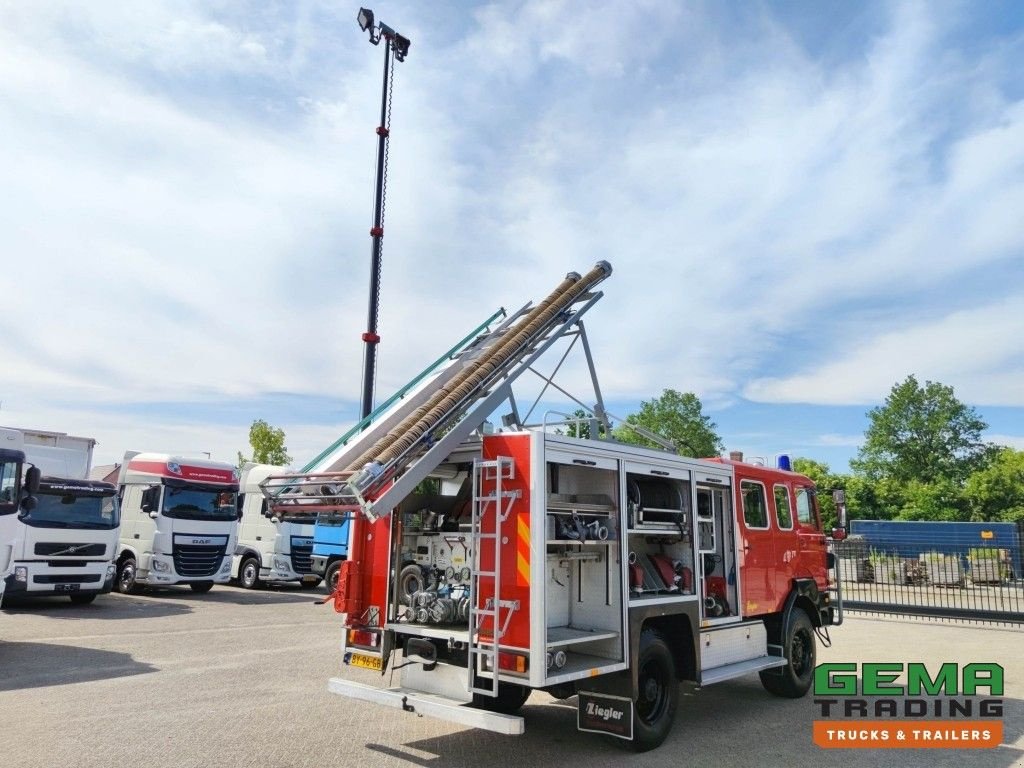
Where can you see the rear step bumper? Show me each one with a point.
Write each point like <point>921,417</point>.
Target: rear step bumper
<point>420,703</point>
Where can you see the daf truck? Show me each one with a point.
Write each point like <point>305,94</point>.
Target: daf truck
<point>66,541</point>
<point>272,548</point>
<point>179,522</point>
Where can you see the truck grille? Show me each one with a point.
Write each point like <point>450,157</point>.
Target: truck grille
<point>63,548</point>
<point>85,578</point>
<point>302,559</point>
<point>196,560</point>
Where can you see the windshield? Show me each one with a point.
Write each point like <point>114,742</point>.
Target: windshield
<point>195,502</point>
<point>68,510</point>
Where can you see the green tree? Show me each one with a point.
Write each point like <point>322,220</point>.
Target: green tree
<point>996,492</point>
<point>922,434</point>
<point>677,417</point>
<point>267,445</point>
<point>941,499</point>
<point>581,428</point>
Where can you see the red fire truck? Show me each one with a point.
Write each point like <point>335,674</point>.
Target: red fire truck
<point>535,561</point>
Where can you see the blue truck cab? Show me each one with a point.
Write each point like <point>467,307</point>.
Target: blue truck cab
<point>330,546</point>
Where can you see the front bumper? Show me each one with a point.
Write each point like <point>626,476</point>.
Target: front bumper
<point>42,580</point>
<point>158,571</point>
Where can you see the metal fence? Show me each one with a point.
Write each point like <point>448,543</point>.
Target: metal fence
<point>931,577</point>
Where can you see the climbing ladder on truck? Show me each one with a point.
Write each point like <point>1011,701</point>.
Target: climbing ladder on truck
<point>376,469</point>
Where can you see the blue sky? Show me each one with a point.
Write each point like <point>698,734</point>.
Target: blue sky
<point>803,203</point>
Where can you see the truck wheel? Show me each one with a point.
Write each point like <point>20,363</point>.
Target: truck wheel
<point>658,693</point>
<point>793,680</point>
<point>82,599</point>
<point>125,582</point>
<point>510,699</point>
<point>202,587</point>
<point>331,576</point>
<point>249,573</point>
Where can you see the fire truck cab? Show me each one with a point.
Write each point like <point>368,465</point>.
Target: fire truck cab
<point>589,568</point>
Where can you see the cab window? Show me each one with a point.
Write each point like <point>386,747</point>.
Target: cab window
<point>805,508</point>
<point>755,508</point>
<point>783,515</point>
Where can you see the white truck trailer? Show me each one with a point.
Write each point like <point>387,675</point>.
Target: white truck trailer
<point>273,548</point>
<point>179,524</point>
<point>66,541</point>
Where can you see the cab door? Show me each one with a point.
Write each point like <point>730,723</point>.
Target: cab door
<point>812,547</point>
<point>757,548</point>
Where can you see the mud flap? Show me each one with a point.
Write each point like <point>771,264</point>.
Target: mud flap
<point>601,713</point>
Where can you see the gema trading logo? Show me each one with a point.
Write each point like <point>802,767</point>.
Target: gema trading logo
<point>862,705</point>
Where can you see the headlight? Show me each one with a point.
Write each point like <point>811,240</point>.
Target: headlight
<point>111,570</point>
<point>21,573</point>
<point>281,565</point>
<point>226,567</point>
<point>159,565</point>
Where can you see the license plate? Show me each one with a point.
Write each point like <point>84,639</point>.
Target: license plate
<point>65,587</point>
<point>366,662</point>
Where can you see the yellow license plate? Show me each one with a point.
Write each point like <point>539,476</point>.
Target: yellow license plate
<point>366,662</point>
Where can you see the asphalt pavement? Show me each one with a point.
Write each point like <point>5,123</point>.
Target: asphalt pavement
<point>239,678</point>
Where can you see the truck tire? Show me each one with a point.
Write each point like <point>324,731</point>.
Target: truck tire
<point>331,576</point>
<point>82,599</point>
<point>202,587</point>
<point>658,693</point>
<point>794,680</point>
<point>510,699</point>
<point>249,573</point>
<point>125,581</point>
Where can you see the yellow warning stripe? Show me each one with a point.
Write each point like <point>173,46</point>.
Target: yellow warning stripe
<point>523,550</point>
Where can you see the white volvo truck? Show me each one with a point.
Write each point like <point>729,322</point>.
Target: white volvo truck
<point>272,548</point>
<point>179,522</point>
<point>67,539</point>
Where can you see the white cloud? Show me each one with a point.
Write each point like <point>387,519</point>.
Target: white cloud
<point>975,351</point>
<point>186,239</point>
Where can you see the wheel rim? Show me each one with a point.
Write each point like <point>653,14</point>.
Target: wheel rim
<point>249,574</point>
<point>332,583</point>
<point>800,652</point>
<point>653,698</point>
<point>127,577</point>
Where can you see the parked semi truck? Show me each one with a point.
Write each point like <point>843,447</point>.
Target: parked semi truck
<point>271,548</point>
<point>15,496</point>
<point>574,566</point>
<point>179,522</point>
<point>67,540</point>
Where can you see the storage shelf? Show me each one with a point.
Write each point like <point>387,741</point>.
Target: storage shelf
<point>581,665</point>
<point>657,532</point>
<point>579,542</point>
<point>569,635</point>
<point>592,510</point>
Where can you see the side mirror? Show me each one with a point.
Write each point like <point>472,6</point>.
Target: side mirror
<point>154,515</point>
<point>839,497</point>
<point>150,500</point>
<point>28,504</point>
<point>32,475</point>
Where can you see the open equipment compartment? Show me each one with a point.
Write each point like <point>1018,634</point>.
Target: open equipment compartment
<point>660,552</point>
<point>584,613</point>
